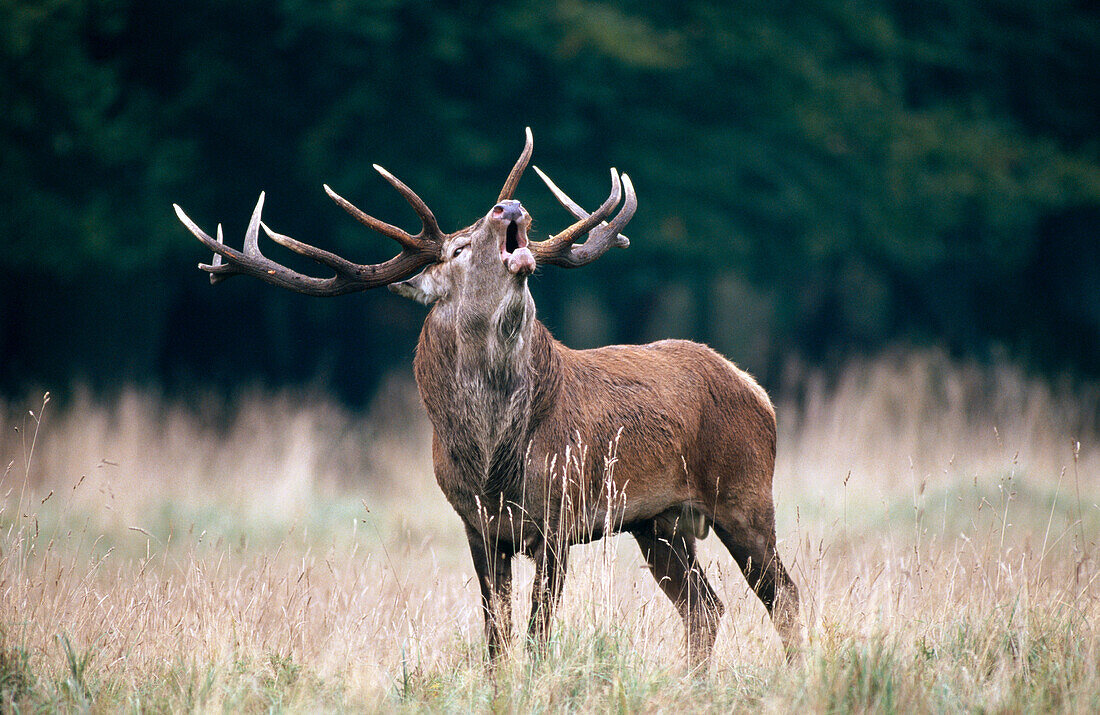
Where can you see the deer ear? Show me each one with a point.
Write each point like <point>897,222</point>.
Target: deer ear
<point>422,288</point>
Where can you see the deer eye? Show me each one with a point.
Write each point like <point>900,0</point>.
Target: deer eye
<point>459,250</point>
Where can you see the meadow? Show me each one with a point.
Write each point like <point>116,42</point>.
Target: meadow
<point>271,550</point>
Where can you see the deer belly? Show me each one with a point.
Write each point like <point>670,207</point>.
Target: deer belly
<point>636,496</point>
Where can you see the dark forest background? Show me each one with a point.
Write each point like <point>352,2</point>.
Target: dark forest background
<point>816,179</point>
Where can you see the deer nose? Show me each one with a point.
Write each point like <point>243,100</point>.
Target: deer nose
<point>510,210</point>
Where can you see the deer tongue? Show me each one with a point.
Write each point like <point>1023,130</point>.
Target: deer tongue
<point>521,261</point>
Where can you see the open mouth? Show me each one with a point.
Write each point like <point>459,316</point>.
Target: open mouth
<point>513,239</point>
<point>515,252</point>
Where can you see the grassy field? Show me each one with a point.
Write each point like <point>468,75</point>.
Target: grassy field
<point>276,552</point>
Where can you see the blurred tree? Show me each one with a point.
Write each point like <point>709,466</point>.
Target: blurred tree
<point>814,177</point>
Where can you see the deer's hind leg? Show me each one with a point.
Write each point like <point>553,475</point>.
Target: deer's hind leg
<point>750,537</point>
<point>669,550</point>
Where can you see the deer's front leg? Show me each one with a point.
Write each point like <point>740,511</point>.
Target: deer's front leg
<point>550,566</point>
<point>494,573</point>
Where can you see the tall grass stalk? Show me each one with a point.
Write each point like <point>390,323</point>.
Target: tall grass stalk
<point>210,555</point>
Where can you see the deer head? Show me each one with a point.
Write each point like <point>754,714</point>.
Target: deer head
<point>487,258</point>
<point>492,256</point>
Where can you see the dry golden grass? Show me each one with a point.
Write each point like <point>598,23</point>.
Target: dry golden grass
<point>275,551</point>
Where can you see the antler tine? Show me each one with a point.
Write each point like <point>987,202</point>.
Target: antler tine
<point>430,231</point>
<point>572,206</point>
<point>406,239</point>
<point>336,263</point>
<point>350,277</point>
<point>517,170</point>
<point>215,278</point>
<point>630,205</point>
<point>607,235</point>
<point>252,235</point>
<point>560,250</point>
<point>218,269</point>
<point>431,226</point>
<point>587,223</point>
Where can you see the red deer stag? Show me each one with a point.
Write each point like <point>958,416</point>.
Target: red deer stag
<point>537,446</point>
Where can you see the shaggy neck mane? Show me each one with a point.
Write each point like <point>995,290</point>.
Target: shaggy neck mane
<point>484,404</point>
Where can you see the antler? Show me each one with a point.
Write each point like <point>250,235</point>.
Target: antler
<point>416,251</point>
<point>517,170</point>
<point>559,249</point>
